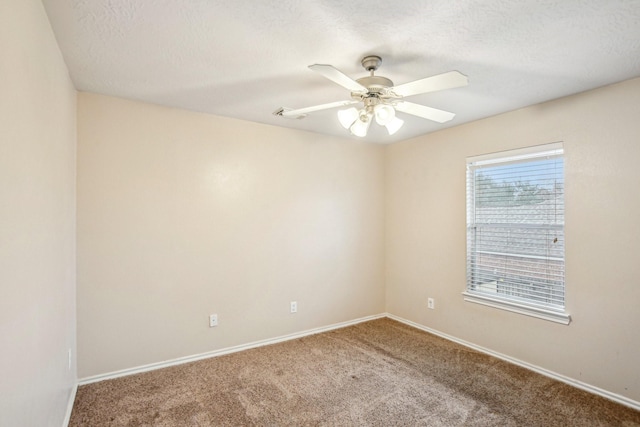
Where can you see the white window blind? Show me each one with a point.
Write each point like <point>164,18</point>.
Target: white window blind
<point>515,231</point>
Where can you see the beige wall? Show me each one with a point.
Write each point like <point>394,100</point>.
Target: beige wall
<point>425,236</point>
<point>37,220</point>
<point>183,214</point>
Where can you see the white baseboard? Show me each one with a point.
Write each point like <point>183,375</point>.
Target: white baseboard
<point>228,350</point>
<point>72,398</point>
<point>573,382</point>
<point>187,359</point>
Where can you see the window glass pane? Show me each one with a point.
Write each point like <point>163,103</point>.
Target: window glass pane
<point>515,230</point>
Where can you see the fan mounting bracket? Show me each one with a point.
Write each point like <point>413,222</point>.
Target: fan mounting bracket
<point>371,62</point>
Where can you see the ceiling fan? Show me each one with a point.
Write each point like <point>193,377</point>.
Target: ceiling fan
<point>380,97</point>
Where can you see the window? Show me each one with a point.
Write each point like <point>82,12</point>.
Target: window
<point>515,231</point>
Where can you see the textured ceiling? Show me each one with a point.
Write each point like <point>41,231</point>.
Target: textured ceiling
<point>244,59</point>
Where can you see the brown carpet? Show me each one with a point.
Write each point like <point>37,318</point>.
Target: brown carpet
<point>378,373</point>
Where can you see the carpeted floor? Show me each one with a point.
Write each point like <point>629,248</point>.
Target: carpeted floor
<point>378,373</point>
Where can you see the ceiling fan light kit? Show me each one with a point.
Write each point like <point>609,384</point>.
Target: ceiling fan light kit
<point>358,122</point>
<point>380,97</point>
<point>385,115</point>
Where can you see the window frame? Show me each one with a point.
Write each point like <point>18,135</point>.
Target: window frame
<point>550,312</point>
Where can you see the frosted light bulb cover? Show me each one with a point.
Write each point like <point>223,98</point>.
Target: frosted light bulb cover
<point>347,117</point>
<point>394,125</point>
<point>360,127</point>
<point>384,114</point>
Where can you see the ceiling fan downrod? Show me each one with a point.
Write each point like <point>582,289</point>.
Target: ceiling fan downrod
<point>375,84</point>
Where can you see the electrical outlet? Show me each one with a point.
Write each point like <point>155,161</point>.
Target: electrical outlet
<point>213,320</point>
<point>431,303</point>
<point>294,306</point>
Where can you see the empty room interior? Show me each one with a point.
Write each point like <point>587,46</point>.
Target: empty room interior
<point>205,182</point>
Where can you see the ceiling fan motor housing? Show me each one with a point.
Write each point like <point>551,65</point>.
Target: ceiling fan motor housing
<point>375,83</point>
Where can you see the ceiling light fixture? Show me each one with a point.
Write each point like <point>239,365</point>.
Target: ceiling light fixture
<point>358,122</point>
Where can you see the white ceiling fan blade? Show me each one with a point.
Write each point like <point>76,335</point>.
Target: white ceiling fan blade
<point>338,77</point>
<point>425,112</point>
<point>431,84</point>
<point>303,111</point>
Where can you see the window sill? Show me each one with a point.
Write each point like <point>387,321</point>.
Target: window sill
<point>515,307</point>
